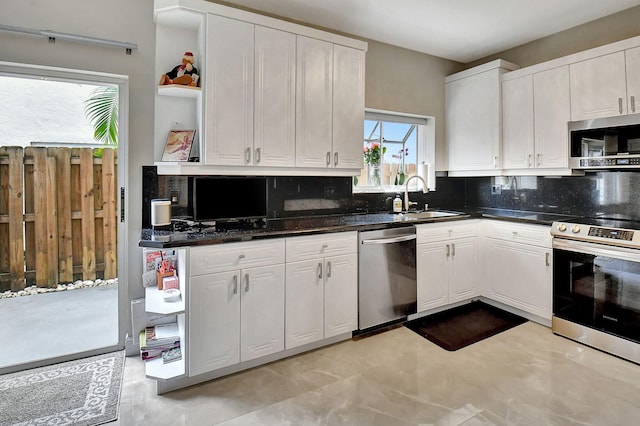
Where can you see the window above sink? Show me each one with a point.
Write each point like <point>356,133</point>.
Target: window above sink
<point>396,146</point>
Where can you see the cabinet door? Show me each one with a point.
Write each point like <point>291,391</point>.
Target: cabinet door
<point>340,295</point>
<point>275,98</point>
<point>517,123</point>
<point>465,267</point>
<point>314,103</point>
<point>598,87</point>
<point>262,311</point>
<point>304,310</point>
<point>472,115</point>
<point>633,79</point>
<point>348,107</point>
<point>522,277</point>
<point>552,111</point>
<point>214,322</point>
<point>432,264</point>
<point>229,92</point>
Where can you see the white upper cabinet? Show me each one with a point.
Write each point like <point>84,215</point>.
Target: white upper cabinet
<point>474,119</point>
<point>535,112</point>
<point>632,57</point>
<point>598,87</point>
<point>314,108</point>
<point>330,105</point>
<point>518,123</point>
<point>552,111</point>
<point>275,98</point>
<point>229,93</point>
<point>348,106</point>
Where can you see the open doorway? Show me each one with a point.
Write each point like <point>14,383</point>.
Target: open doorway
<point>60,297</point>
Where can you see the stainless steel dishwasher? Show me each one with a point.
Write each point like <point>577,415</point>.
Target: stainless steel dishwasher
<point>386,276</point>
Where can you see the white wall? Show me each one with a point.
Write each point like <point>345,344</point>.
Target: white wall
<point>122,20</point>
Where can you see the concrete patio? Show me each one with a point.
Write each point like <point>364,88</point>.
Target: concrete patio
<point>51,325</point>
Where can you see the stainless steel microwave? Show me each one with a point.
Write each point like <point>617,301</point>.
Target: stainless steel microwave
<point>605,143</point>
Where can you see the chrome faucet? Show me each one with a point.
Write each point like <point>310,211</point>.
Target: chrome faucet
<point>406,190</point>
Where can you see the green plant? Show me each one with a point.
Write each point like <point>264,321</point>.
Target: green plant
<point>102,110</point>
<point>372,153</point>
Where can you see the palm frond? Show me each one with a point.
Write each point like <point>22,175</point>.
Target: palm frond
<point>102,111</point>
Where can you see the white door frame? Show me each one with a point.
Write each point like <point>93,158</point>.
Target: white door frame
<point>122,81</point>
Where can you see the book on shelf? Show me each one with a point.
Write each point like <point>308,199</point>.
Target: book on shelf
<point>171,355</point>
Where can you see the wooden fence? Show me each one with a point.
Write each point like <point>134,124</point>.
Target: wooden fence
<point>58,218</point>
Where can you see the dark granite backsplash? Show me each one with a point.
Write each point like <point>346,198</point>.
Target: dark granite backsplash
<point>609,194</point>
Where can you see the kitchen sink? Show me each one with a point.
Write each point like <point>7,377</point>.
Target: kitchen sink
<point>430,214</point>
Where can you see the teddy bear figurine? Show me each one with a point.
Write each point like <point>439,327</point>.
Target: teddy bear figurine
<point>185,73</point>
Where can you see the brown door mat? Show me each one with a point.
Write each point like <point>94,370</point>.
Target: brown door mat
<point>461,326</point>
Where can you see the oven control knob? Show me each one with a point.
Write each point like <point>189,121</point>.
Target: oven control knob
<point>562,227</point>
<point>575,229</point>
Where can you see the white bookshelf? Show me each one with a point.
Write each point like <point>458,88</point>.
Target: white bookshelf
<point>156,369</point>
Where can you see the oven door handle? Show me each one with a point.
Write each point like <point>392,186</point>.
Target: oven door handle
<point>623,253</point>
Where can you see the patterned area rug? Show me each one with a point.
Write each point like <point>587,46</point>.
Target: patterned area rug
<point>85,392</point>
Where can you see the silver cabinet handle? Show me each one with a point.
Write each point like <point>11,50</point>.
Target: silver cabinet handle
<point>448,250</point>
<point>257,155</point>
<point>453,249</point>
<point>633,103</point>
<point>495,161</point>
<point>328,158</point>
<point>529,160</point>
<point>320,270</point>
<point>335,158</point>
<point>538,161</point>
<point>620,105</point>
<point>328,269</point>
<point>235,284</point>
<point>247,155</point>
<point>246,283</point>
<point>546,259</point>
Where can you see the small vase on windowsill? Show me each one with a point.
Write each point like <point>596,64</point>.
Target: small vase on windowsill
<point>373,174</point>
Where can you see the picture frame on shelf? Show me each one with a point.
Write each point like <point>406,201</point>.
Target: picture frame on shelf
<point>179,144</point>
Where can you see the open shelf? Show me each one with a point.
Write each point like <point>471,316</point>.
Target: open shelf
<point>156,369</point>
<point>155,303</point>
<point>179,91</point>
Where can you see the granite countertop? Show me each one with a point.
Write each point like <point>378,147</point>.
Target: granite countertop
<point>539,218</point>
<point>335,223</point>
<point>285,227</point>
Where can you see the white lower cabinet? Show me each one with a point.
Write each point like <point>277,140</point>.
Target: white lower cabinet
<point>237,294</point>
<point>321,287</point>
<point>236,314</point>
<point>448,266</point>
<point>518,266</point>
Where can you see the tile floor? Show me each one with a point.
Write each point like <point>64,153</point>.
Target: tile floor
<point>524,376</point>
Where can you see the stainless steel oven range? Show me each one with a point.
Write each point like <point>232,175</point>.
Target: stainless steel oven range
<point>596,284</point>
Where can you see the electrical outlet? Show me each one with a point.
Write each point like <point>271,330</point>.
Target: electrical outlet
<point>175,198</point>
<point>496,189</point>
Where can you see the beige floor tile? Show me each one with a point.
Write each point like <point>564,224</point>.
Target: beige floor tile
<point>524,376</point>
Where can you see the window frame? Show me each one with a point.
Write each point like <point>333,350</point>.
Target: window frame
<point>425,129</point>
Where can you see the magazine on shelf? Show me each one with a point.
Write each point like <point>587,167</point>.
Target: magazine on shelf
<point>161,335</point>
<point>171,355</point>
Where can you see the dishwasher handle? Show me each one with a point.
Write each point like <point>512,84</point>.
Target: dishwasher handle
<point>392,240</point>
